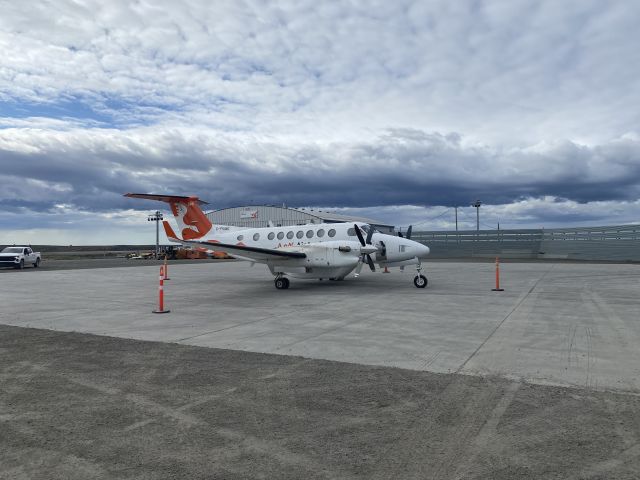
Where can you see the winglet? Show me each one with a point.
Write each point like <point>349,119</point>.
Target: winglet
<point>171,235</point>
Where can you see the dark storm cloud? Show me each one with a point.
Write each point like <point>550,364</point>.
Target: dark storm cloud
<point>92,170</point>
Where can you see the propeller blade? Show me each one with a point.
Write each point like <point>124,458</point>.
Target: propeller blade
<point>369,235</point>
<point>359,234</point>
<point>409,232</point>
<point>370,262</point>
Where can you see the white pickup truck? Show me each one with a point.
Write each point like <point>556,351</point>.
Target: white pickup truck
<point>18,257</point>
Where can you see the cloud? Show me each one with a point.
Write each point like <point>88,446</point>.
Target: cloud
<point>495,72</point>
<point>340,104</point>
<point>92,168</point>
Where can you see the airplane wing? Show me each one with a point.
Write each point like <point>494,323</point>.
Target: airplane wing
<point>254,254</point>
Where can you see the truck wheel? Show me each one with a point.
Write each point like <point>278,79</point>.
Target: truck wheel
<point>20,266</point>
<point>37,264</point>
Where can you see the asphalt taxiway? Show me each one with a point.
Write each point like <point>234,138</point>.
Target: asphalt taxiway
<point>371,377</point>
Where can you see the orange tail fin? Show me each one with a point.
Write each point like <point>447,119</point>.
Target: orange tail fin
<point>191,219</point>
<point>171,235</point>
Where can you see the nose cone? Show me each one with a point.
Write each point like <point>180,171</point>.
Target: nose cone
<point>423,250</point>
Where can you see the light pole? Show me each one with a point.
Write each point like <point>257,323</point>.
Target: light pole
<point>156,217</point>
<point>456,208</point>
<point>477,205</point>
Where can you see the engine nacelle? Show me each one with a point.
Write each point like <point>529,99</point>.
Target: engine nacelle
<point>331,254</point>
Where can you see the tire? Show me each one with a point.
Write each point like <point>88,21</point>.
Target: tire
<point>37,264</point>
<point>420,281</point>
<point>282,283</point>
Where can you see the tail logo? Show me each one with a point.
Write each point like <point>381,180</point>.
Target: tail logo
<point>194,223</point>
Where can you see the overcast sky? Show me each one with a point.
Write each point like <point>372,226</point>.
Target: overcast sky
<point>394,110</point>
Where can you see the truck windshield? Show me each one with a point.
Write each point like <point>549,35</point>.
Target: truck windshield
<point>12,250</point>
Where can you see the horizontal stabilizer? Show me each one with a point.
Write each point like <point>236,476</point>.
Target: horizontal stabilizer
<point>166,198</point>
<point>192,221</point>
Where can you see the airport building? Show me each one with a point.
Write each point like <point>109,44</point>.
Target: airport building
<point>258,216</point>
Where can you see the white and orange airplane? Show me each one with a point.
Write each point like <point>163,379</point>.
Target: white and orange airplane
<point>312,251</point>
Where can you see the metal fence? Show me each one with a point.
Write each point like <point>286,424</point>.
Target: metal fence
<point>615,243</point>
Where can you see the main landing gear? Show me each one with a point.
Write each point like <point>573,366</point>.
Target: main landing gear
<point>420,281</point>
<point>282,283</point>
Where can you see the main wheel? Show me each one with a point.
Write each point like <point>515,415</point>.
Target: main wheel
<point>37,264</point>
<point>282,283</point>
<point>420,281</point>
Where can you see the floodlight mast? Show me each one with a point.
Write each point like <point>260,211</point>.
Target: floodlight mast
<point>477,204</point>
<point>156,217</point>
<point>456,208</point>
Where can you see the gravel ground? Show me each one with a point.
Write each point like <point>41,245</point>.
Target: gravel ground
<point>77,406</point>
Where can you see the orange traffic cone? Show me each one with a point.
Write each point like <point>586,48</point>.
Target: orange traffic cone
<point>161,308</point>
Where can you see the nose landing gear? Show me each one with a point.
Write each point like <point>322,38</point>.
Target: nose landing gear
<point>420,281</point>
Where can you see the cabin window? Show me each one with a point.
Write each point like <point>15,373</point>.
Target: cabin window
<point>309,233</point>
<point>299,234</point>
<point>240,238</point>
<point>351,232</point>
<point>256,237</point>
<point>271,236</point>
<point>320,233</point>
<point>289,235</point>
<point>280,235</point>
<point>332,233</point>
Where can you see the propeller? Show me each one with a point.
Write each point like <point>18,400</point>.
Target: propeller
<point>366,249</point>
<point>407,234</point>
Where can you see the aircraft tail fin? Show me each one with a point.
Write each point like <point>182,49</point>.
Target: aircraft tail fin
<point>171,235</point>
<point>192,221</point>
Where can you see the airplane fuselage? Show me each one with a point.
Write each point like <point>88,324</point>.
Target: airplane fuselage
<point>332,249</point>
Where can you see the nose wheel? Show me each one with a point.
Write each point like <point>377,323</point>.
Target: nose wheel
<point>282,283</point>
<point>420,281</point>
